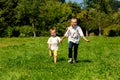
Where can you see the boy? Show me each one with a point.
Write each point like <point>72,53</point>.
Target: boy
<point>74,32</point>
<point>53,44</point>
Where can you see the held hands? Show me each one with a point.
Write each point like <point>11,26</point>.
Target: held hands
<point>61,40</point>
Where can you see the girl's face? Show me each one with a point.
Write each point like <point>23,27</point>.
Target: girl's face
<point>53,33</point>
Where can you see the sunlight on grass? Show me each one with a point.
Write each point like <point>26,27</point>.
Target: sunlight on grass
<point>28,59</point>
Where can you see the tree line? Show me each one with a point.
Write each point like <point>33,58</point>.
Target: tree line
<point>25,18</point>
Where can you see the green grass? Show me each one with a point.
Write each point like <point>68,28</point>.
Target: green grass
<point>28,59</point>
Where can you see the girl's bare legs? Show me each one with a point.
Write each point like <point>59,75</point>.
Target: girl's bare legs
<point>55,59</point>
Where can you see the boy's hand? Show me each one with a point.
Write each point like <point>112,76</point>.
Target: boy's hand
<point>88,41</point>
<point>85,39</point>
<point>61,40</point>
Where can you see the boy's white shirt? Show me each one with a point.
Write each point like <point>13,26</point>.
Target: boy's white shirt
<point>53,41</point>
<point>74,34</point>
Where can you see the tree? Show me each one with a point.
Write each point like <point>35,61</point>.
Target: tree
<point>101,6</point>
<point>84,16</point>
<point>28,12</point>
<point>41,15</point>
<point>56,15</point>
<point>115,4</point>
<point>7,14</point>
<point>76,8</point>
<point>62,1</point>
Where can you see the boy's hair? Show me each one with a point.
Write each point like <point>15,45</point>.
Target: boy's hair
<point>73,18</point>
<point>52,29</point>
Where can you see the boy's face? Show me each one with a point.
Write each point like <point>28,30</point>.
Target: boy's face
<point>53,33</point>
<point>73,22</point>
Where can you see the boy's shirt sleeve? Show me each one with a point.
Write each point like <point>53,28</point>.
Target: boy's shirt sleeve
<point>80,32</point>
<point>67,33</point>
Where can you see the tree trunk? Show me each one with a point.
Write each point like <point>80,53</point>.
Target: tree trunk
<point>100,30</point>
<point>99,23</point>
<point>87,26</point>
<point>34,29</point>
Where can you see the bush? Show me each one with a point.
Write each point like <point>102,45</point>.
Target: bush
<point>12,31</point>
<point>8,32</point>
<point>60,29</point>
<point>19,31</point>
<point>92,34</point>
<point>26,31</point>
<point>44,33</point>
<point>16,31</point>
<point>113,30</point>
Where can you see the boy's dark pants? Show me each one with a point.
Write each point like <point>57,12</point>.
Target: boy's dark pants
<point>71,44</point>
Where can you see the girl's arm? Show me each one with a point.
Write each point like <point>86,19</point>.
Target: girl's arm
<point>49,46</point>
<point>62,38</point>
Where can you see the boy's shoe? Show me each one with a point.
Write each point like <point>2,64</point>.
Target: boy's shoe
<point>75,61</point>
<point>70,60</point>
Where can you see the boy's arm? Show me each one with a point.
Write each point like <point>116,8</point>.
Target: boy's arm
<point>85,39</point>
<point>65,35</point>
<point>82,35</point>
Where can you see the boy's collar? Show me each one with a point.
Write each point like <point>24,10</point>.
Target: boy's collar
<point>74,27</point>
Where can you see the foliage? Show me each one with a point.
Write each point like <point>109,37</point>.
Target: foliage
<point>113,30</point>
<point>26,31</point>
<point>12,31</point>
<point>22,31</point>
<point>41,15</point>
<point>9,31</point>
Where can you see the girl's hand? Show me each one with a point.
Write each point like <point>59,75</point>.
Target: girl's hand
<point>48,46</point>
<point>61,40</point>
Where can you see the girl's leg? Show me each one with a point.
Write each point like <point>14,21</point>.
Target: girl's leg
<point>55,59</point>
<point>50,52</point>
<point>55,56</point>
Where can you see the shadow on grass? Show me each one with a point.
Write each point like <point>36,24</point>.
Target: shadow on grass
<point>79,61</point>
<point>85,61</point>
<point>61,59</point>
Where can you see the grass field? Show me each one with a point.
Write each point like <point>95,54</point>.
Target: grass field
<point>28,59</point>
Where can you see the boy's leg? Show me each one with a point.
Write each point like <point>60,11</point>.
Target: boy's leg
<point>55,56</point>
<point>75,51</point>
<point>70,51</point>
<point>50,52</point>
